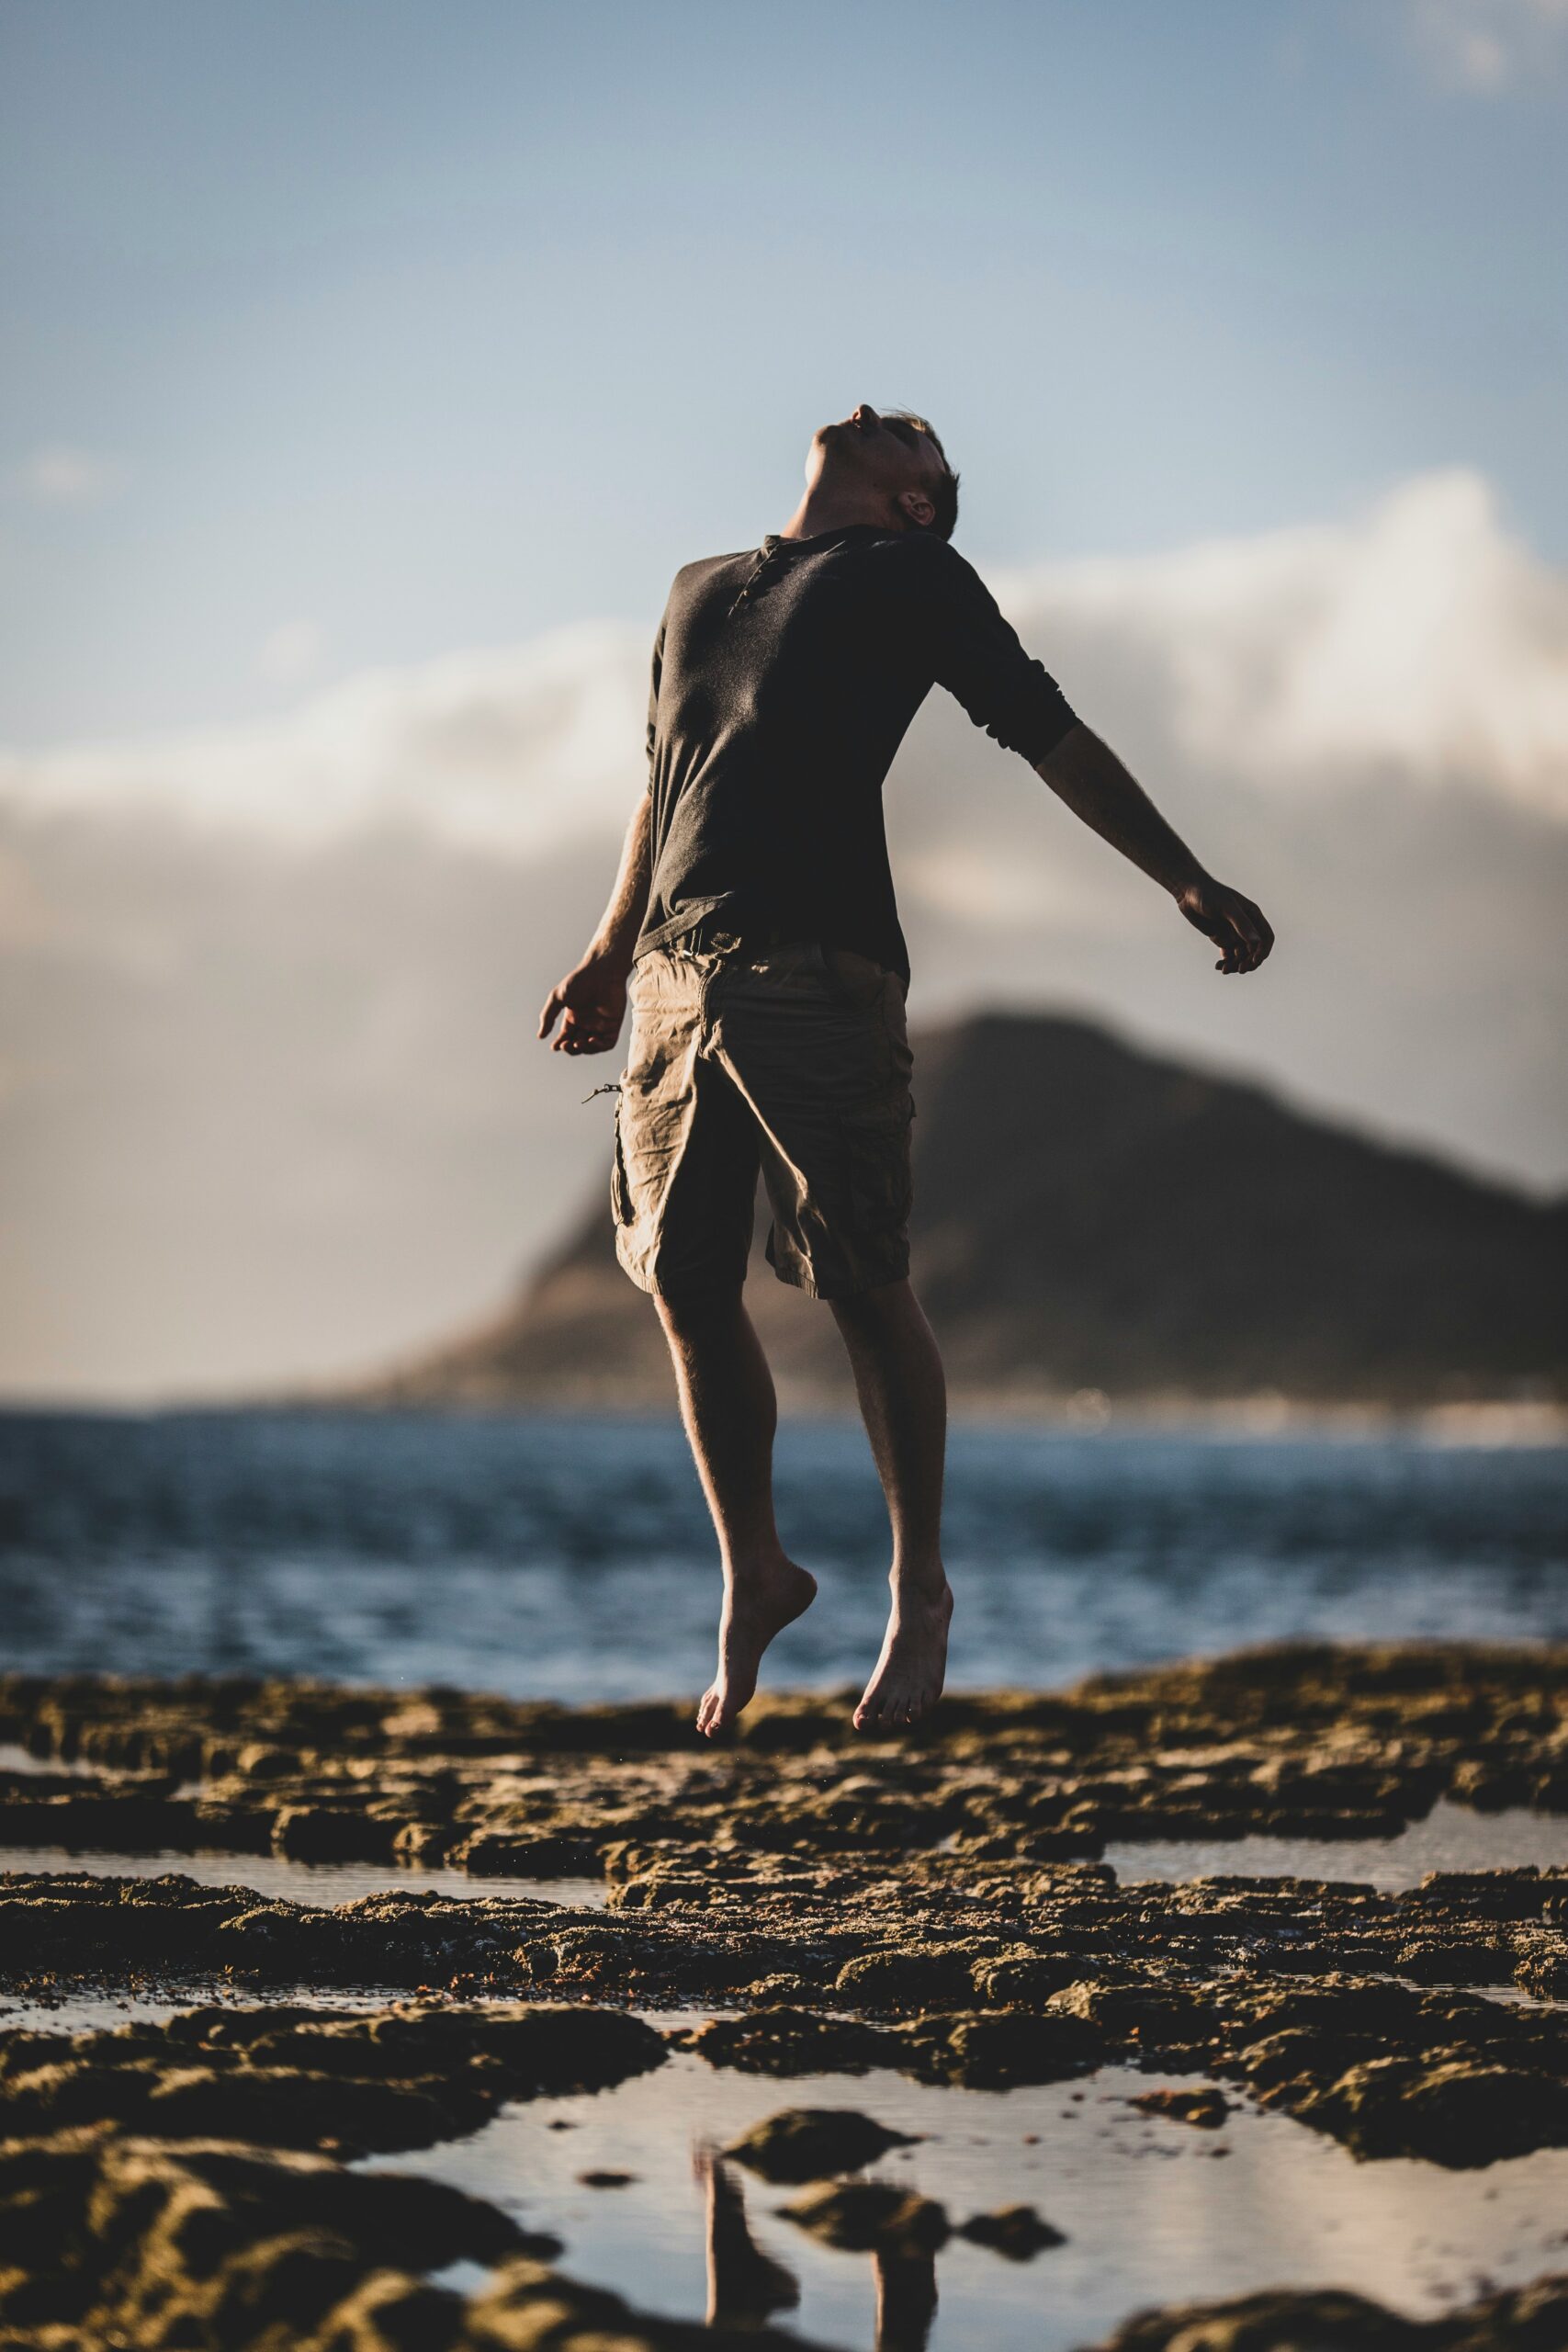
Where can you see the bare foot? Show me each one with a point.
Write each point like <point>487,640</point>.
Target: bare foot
<point>909,1674</point>
<point>755,1609</point>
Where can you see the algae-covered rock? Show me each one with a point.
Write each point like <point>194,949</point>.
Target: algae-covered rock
<point>302,2078</point>
<point>1206,2109</point>
<point>1455,2112</point>
<point>788,2041</point>
<point>994,2049</point>
<point>915,1977</point>
<point>332,1834</point>
<point>489,1854</point>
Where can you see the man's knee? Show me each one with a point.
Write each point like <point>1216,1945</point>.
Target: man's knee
<point>866,1309</point>
<point>687,1308</point>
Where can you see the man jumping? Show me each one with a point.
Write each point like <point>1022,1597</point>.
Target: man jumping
<point>753,926</point>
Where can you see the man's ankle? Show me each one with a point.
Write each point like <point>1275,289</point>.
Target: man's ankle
<point>926,1581</point>
<point>756,1568</point>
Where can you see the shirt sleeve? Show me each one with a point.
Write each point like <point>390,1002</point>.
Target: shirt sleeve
<point>976,655</point>
<point>656,672</point>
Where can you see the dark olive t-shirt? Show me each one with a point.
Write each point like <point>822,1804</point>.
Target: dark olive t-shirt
<point>784,680</point>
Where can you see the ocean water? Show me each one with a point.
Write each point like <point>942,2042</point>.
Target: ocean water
<point>570,1557</point>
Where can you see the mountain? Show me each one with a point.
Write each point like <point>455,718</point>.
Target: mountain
<point>1092,1217</point>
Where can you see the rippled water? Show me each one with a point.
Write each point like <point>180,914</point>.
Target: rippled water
<point>571,1556</point>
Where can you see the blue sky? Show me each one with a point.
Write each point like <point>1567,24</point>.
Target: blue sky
<point>344,332</point>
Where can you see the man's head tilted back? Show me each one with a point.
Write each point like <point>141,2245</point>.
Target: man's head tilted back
<point>896,460</point>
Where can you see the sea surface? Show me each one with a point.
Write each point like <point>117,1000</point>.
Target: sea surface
<point>570,1557</point>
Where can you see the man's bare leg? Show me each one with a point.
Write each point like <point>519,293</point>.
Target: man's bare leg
<point>903,1399</point>
<point>730,1413</point>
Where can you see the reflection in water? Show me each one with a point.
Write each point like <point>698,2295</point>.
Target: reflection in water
<point>1144,2213</point>
<point>746,2287</point>
<point>906,2301</point>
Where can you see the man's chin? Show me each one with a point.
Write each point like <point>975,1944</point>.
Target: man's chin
<point>837,447</point>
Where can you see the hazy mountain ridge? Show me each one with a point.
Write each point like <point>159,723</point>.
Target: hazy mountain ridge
<point>1090,1216</point>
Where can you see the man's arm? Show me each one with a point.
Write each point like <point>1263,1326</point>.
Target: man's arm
<point>591,1002</point>
<point>1086,774</point>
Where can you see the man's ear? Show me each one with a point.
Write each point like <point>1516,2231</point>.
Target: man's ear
<point>916,508</point>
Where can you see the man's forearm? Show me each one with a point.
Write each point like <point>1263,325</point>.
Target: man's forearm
<point>1085,773</point>
<point>622,919</point>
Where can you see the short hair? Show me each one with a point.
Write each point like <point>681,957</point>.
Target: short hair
<point>945,497</point>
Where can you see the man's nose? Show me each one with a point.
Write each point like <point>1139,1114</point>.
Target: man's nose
<point>866,415</point>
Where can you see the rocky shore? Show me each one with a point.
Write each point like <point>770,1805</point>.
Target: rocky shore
<point>934,1907</point>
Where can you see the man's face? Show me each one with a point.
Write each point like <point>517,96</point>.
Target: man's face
<point>886,456</point>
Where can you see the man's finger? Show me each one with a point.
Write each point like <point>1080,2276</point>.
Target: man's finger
<point>554,1003</point>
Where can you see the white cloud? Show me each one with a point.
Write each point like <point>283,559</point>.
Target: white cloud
<point>1483,45</point>
<point>512,751</point>
<point>290,653</point>
<point>58,474</point>
<point>1420,637</point>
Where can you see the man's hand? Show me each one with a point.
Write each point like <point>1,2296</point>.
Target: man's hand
<point>590,1003</point>
<point>1234,923</point>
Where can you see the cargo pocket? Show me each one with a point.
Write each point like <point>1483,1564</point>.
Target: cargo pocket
<point>620,1191</point>
<point>881,1188</point>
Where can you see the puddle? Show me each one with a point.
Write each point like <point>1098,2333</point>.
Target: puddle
<point>96,2012</point>
<point>13,1757</point>
<point>1451,1837</point>
<point>1151,2214</point>
<point>318,1885</point>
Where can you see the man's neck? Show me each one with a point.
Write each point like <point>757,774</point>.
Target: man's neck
<point>825,508</point>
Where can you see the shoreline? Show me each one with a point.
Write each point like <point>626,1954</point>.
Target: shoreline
<point>930,1911</point>
<point>1485,1424</point>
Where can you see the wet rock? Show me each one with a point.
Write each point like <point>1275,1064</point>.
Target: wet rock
<point>120,1823</point>
<point>1521,2319</point>
<point>804,1874</point>
<point>489,1855</point>
<point>332,1834</point>
<point>528,2308</point>
<point>310,2079</point>
<point>421,1845</point>
<point>994,2051</point>
<point>1482,1895</point>
<point>1455,2112</point>
<point>871,2216</point>
<point>139,2242</point>
<point>1026,1980</point>
<point>787,2040</point>
<point>227,1828</point>
<point>813,2142</point>
<point>1206,2108</point>
<point>1542,1967</point>
<point>391,2313</point>
<point>1271,2322</point>
<point>1143,2013</point>
<point>913,1978</point>
<point>1016,2231</point>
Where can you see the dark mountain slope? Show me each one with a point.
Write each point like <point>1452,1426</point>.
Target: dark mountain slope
<point>1089,1215</point>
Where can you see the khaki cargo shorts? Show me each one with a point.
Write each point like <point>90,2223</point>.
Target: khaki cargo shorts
<point>794,1060</point>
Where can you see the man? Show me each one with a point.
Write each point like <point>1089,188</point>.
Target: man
<point>753,918</point>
